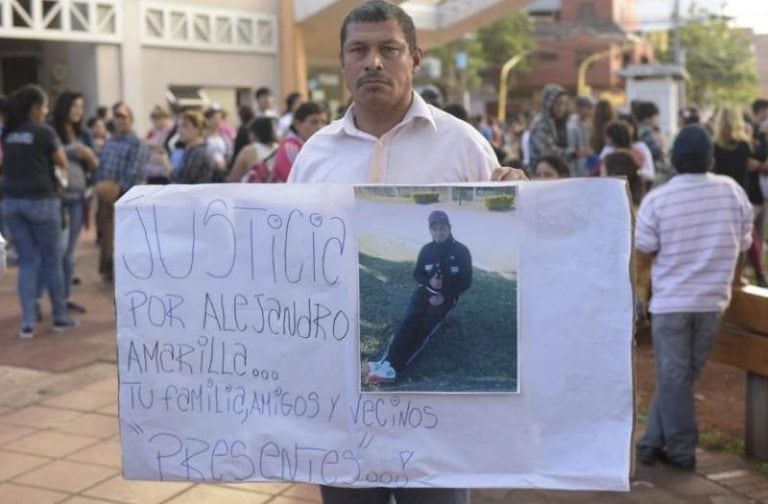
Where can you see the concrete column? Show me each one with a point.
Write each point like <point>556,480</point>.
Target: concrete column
<point>131,77</point>
<point>293,53</point>
<point>756,417</point>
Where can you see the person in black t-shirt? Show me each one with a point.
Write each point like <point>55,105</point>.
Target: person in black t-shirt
<point>443,272</point>
<point>31,205</point>
<point>735,156</point>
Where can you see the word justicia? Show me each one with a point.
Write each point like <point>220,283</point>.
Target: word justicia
<point>290,247</point>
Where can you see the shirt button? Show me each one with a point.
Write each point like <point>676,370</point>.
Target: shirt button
<point>380,144</point>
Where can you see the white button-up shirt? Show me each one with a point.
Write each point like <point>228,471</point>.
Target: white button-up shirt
<point>428,146</point>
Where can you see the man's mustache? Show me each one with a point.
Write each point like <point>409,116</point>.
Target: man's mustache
<point>373,79</point>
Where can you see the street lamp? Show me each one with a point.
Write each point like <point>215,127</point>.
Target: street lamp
<point>504,83</point>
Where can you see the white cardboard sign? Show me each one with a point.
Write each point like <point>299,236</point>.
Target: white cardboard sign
<point>237,326</point>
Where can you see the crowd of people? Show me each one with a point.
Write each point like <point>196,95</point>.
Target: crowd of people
<point>694,228</point>
<point>105,157</point>
<point>579,137</point>
<point>57,166</point>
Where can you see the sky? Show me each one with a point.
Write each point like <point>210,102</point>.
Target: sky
<point>747,13</point>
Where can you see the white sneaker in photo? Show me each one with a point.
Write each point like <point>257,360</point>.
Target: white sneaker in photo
<point>381,372</point>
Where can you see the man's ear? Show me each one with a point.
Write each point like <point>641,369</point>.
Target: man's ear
<point>416,54</point>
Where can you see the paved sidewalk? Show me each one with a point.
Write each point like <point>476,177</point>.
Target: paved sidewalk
<point>59,430</point>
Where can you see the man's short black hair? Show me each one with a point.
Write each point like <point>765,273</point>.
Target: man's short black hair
<point>645,110</point>
<point>759,105</point>
<point>693,150</point>
<point>379,11</point>
<point>263,91</point>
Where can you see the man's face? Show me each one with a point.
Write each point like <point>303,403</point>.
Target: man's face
<point>560,107</point>
<point>586,113</point>
<point>188,133</point>
<point>123,120</point>
<point>440,232</point>
<point>264,102</point>
<point>213,121</point>
<point>761,116</point>
<point>310,125</point>
<point>378,67</point>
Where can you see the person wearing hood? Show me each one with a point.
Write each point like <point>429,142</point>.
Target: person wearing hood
<point>548,129</point>
<point>443,272</point>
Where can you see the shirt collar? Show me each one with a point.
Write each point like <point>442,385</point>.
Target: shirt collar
<point>419,110</point>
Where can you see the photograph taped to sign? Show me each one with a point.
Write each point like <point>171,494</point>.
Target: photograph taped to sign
<point>438,306</point>
<point>239,357</point>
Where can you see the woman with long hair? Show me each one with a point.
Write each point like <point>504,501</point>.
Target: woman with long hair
<point>67,120</point>
<point>255,159</point>
<point>307,120</point>
<point>734,157</point>
<point>604,113</point>
<point>31,205</point>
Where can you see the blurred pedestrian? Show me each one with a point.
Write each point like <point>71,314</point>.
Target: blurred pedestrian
<point>218,145</point>
<point>551,168</point>
<point>157,170</point>
<point>255,163</point>
<point>197,164</point>
<point>31,204</point>
<point>67,121</point>
<point>307,120</point>
<point>646,114</point>
<point>548,132</point>
<point>735,157</point>
<point>242,138</point>
<point>265,103</point>
<point>579,129</point>
<point>120,167</point>
<point>604,113</point>
<point>292,102</point>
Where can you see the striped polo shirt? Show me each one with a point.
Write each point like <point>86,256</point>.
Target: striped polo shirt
<point>696,224</point>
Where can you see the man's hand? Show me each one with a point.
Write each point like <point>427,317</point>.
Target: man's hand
<point>506,174</point>
<point>436,300</point>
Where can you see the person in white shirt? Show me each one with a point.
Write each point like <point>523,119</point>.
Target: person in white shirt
<point>692,235</point>
<point>265,106</point>
<point>292,102</point>
<point>390,135</point>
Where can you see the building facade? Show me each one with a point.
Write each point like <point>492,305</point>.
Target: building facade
<point>145,52</point>
<point>570,31</point>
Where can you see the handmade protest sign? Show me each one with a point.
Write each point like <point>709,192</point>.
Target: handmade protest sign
<point>239,317</point>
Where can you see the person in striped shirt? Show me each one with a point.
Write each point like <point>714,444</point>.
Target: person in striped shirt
<point>691,238</point>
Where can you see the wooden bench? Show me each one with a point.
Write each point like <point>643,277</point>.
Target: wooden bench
<point>743,342</point>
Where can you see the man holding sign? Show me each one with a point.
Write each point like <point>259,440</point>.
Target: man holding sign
<point>382,139</point>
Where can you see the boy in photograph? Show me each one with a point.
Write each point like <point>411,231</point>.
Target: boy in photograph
<point>443,272</point>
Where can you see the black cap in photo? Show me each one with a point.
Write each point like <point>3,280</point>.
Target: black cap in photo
<point>438,217</point>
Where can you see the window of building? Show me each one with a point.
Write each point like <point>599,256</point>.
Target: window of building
<point>587,11</point>
<point>580,57</point>
<point>186,97</point>
<point>547,56</point>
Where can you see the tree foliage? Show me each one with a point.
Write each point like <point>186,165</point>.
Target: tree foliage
<point>719,58</point>
<point>487,48</point>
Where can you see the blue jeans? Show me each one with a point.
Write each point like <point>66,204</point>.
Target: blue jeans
<point>681,344</point>
<point>74,208</point>
<point>69,236</point>
<point>35,225</point>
